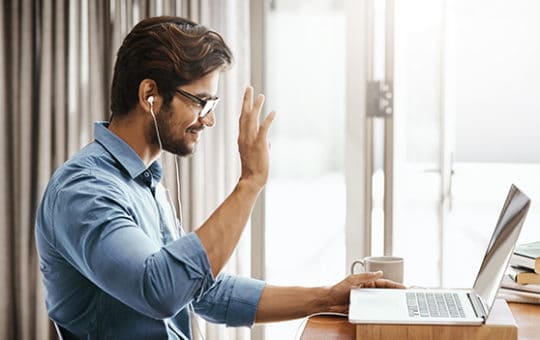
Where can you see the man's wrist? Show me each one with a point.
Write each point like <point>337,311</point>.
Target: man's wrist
<point>320,301</point>
<point>249,185</point>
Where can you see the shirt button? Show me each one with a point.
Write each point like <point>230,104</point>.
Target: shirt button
<point>146,174</point>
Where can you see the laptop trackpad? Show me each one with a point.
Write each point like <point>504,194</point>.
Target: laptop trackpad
<point>372,305</point>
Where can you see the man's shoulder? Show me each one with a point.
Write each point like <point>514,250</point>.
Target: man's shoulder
<point>91,159</point>
<point>92,162</point>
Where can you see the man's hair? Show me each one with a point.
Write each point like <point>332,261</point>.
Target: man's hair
<point>172,51</point>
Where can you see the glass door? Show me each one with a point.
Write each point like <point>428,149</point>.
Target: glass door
<point>492,88</point>
<point>461,80</point>
<point>419,139</point>
<point>466,127</point>
<point>305,195</point>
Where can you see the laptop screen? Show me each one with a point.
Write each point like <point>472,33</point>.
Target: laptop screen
<point>501,246</point>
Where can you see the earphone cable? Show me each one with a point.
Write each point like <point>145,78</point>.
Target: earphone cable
<point>155,125</point>
<point>181,219</point>
<point>177,169</point>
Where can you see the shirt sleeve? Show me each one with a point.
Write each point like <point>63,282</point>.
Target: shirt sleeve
<point>232,300</point>
<point>93,229</point>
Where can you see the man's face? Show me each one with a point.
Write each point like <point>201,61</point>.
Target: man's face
<point>180,125</point>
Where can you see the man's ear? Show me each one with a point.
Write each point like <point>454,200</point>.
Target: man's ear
<point>148,89</point>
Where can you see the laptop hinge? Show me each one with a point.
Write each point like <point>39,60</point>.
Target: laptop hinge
<point>478,306</point>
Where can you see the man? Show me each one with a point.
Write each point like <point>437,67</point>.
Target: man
<point>112,259</point>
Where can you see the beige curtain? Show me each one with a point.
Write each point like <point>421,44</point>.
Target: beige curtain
<point>56,60</point>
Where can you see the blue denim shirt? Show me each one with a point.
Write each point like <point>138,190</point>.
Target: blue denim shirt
<point>112,261</point>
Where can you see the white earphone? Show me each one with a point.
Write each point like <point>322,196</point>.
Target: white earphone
<point>150,101</point>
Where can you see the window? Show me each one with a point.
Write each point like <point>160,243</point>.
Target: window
<point>305,195</point>
<point>465,112</point>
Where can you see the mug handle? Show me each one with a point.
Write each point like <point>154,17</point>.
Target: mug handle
<point>355,263</point>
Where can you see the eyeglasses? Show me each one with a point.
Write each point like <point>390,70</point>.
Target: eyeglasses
<point>206,105</point>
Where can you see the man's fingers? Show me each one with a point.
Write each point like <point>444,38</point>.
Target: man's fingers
<point>248,99</point>
<point>251,111</point>
<point>247,104</point>
<point>359,279</point>
<point>265,125</point>
<point>384,283</point>
<point>374,280</point>
<point>252,117</point>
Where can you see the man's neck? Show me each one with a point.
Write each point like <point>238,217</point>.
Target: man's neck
<point>131,128</point>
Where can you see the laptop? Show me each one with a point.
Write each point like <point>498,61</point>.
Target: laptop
<point>448,306</point>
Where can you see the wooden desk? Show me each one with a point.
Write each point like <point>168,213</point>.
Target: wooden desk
<point>527,318</point>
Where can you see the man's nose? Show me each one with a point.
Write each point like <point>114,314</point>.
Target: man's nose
<point>209,120</point>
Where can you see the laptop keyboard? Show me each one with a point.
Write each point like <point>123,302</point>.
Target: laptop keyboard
<point>438,305</point>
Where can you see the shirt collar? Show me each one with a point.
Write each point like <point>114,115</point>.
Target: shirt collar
<point>123,153</point>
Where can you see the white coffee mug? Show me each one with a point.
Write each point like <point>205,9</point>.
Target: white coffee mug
<point>391,266</point>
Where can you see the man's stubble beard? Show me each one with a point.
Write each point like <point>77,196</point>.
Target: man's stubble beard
<point>177,147</point>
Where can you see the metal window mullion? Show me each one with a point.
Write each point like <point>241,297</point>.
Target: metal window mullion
<point>446,140</point>
<point>368,193</point>
<point>358,236</point>
<point>258,222</point>
<point>389,131</point>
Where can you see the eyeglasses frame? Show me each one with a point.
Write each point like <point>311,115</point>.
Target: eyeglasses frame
<point>207,105</point>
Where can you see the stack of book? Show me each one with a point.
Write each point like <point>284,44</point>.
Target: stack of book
<point>522,282</point>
